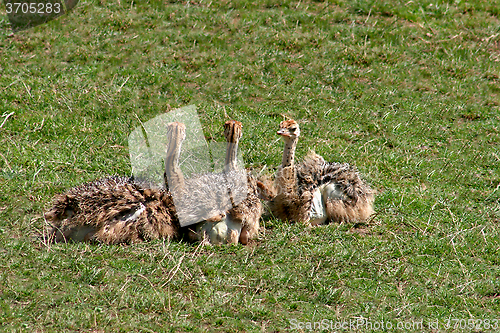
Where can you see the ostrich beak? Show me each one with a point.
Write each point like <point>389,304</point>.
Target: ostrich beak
<point>283,132</point>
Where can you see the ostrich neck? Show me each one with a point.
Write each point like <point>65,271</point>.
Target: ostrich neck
<point>172,169</point>
<point>231,157</point>
<point>289,152</point>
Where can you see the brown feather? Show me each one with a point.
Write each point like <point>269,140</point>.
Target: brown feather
<point>113,210</point>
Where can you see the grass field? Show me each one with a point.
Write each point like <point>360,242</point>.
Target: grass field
<point>409,91</point>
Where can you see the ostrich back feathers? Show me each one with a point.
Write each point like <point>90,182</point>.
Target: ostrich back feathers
<point>347,197</point>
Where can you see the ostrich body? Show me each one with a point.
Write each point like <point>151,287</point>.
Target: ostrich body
<point>316,190</point>
<point>117,209</point>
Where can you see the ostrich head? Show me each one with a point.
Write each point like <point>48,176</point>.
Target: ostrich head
<point>233,130</point>
<point>176,132</point>
<point>289,129</point>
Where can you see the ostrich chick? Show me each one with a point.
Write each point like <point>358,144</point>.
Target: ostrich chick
<point>315,191</point>
<point>241,222</point>
<point>118,210</point>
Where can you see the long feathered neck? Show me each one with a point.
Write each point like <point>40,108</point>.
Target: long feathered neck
<point>289,152</point>
<point>285,181</point>
<point>172,170</point>
<point>233,131</point>
<point>231,157</point>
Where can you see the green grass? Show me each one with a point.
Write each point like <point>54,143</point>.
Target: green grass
<point>406,90</point>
